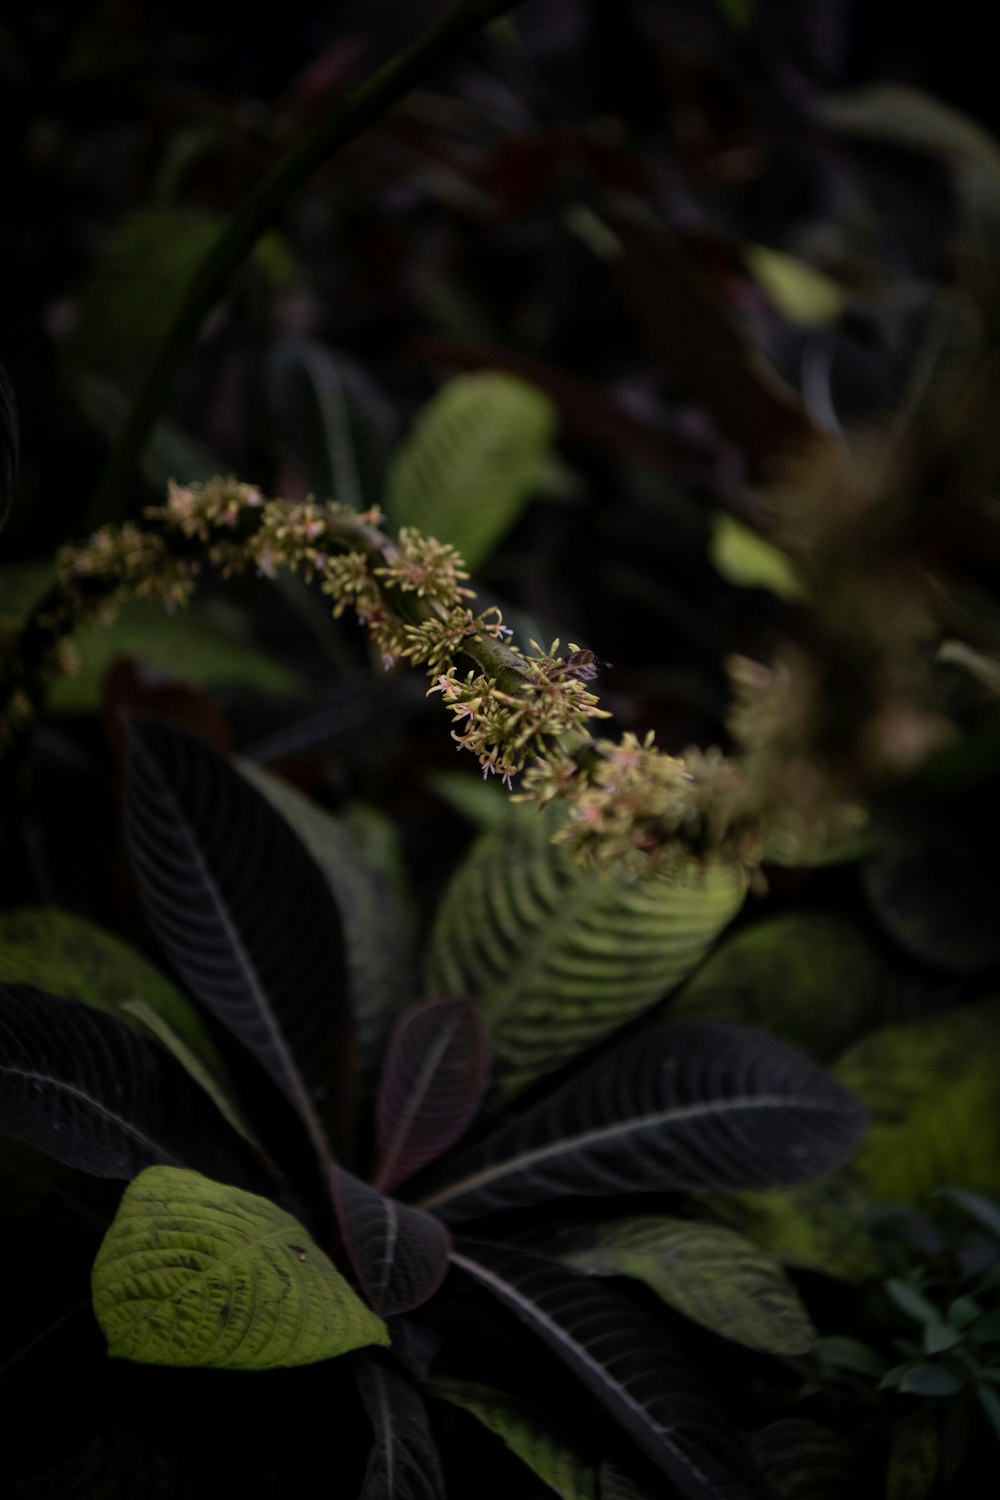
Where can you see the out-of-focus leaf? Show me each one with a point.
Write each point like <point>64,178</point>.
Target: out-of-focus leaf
<point>615,1484</point>
<point>193,1273</point>
<point>404,1462</point>
<point>688,1105</point>
<point>528,1433</point>
<point>821,1226</point>
<point>711,1274</point>
<point>337,424</point>
<point>243,913</point>
<point>24,584</point>
<point>10,444</point>
<point>435,1076</point>
<point>207,646</point>
<point>646,1380</point>
<point>744,557</point>
<point>359,854</point>
<point>811,977</point>
<point>170,452</point>
<point>933,1088</point>
<point>90,1091</point>
<point>799,291</point>
<point>983,1210</point>
<point>399,1253</point>
<point>558,956</point>
<point>802,1460</point>
<point>482,803</point>
<point>468,467</point>
<point>929,1380</point>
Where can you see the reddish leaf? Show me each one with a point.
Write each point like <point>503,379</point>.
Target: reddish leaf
<point>399,1254</point>
<point>435,1075</point>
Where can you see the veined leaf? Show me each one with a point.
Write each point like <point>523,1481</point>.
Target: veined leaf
<point>195,1273</point>
<point>527,1433</point>
<point>558,956</point>
<point>358,853</point>
<point>404,1462</point>
<point>806,1461</point>
<point>688,1105</point>
<point>643,1377</point>
<point>88,1090</point>
<point>435,1075</point>
<point>242,911</point>
<point>710,1274</point>
<point>65,954</point>
<point>399,1253</point>
<point>469,464</point>
<point>934,1091</point>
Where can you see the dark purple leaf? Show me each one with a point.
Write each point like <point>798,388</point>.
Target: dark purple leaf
<point>90,1091</point>
<point>404,1463</point>
<point>399,1253</point>
<point>639,1372</point>
<point>435,1075</point>
<point>243,913</point>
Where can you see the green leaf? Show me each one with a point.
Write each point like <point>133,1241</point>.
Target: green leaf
<point>359,854</point>
<point>69,955</point>
<point>528,1433</point>
<point>911,1301</point>
<point>812,977</point>
<point>745,558</point>
<point>206,646</point>
<point>470,463</point>
<point>799,291</point>
<point>990,1405</point>
<point>933,1088</point>
<point>913,1458</point>
<point>24,584</point>
<point>851,1355</point>
<point>710,1274</point>
<point>820,1227</point>
<point>929,1380</point>
<point>558,956</point>
<point>484,804</point>
<point>193,1273</point>
<point>803,1460</point>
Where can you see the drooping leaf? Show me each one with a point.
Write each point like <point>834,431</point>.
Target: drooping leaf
<point>640,1374</point>
<point>528,1433</point>
<point>435,1075</point>
<point>811,977</point>
<point>399,1253</point>
<point>337,424</point>
<point>209,647</point>
<point>242,911</point>
<point>468,466</point>
<point>687,1105</point>
<point>803,1460</point>
<point>933,1088</point>
<point>913,1458</point>
<point>558,956</point>
<point>709,1273</point>
<point>71,956</point>
<point>90,1091</point>
<point>404,1462</point>
<point>745,558</point>
<point>194,1273</point>
<point>358,852</point>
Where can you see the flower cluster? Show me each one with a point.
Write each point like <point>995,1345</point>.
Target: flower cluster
<point>118,562</point>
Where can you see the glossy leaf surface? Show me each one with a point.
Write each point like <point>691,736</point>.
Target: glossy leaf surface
<point>435,1076</point>
<point>558,956</point>
<point>687,1105</point>
<point>197,1274</point>
<point>637,1371</point>
<point>242,911</point>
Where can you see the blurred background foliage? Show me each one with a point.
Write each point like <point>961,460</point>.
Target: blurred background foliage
<point>698,236</point>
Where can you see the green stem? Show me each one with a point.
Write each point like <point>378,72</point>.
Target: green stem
<point>361,108</point>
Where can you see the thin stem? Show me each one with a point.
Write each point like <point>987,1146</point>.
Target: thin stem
<point>361,108</point>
